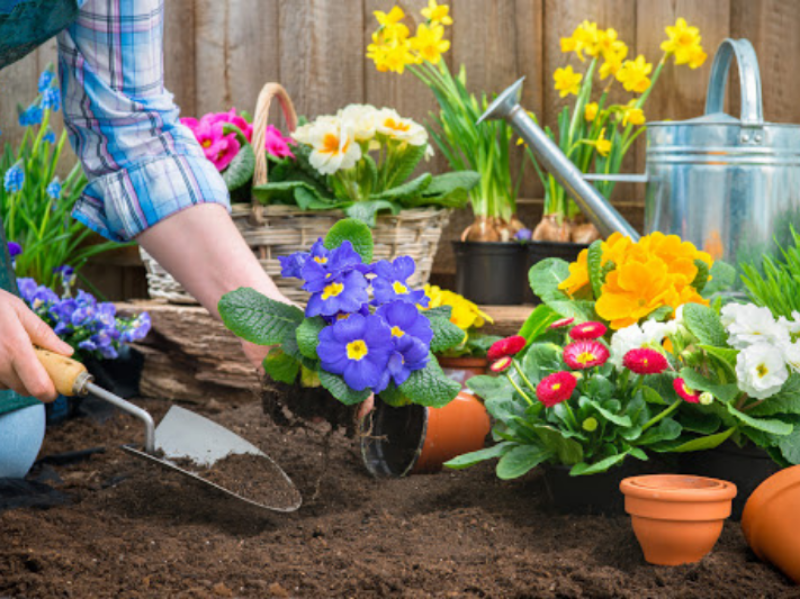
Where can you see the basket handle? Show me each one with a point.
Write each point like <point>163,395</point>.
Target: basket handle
<point>261,120</point>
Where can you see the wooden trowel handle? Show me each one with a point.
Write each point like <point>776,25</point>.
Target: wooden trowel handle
<point>69,376</point>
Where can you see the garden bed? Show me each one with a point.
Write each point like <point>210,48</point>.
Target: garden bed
<point>133,530</point>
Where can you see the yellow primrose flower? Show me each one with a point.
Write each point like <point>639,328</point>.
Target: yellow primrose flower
<point>437,13</point>
<point>429,43</point>
<point>633,74</point>
<point>567,81</point>
<point>578,275</point>
<point>391,18</point>
<point>684,43</point>
<point>464,314</point>
<point>590,112</point>
<point>632,115</point>
<point>612,61</point>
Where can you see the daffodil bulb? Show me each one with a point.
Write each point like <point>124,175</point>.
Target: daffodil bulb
<point>391,124</point>
<point>748,324</point>
<point>761,370</point>
<point>334,146</point>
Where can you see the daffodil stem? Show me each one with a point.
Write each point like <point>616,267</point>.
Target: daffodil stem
<point>520,391</point>
<point>522,376</point>
<point>656,419</point>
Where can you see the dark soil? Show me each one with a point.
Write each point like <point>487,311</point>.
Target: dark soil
<point>133,529</point>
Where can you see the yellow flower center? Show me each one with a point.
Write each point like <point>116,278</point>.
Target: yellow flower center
<point>357,349</point>
<point>332,290</point>
<point>206,143</point>
<point>320,259</point>
<point>686,39</point>
<point>556,387</point>
<point>342,316</point>
<point>390,123</point>
<point>586,357</point>
<point>399,288</point>
<point>687,390</point>
<point>762,371</point>
<point>330,145</point>
<point>397,331</point>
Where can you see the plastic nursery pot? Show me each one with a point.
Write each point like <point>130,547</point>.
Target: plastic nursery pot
<point>677,518</point>
<point>540,250</point>
<point>746,467</point>
<point>463,368</point>
<point>491,272</point>
<point>771,521</point>
<point>418,440</point>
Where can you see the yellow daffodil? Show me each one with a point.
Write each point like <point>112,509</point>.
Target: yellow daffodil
<point>633,74</point>
<point>632,115</point>
<point>684,43</point>
<point>590,112</point>
<point>429,43</point>
<point>391,18</point>
<point>567,81</point>
<point>601,144</point>
<point>437,13</point>
<point>608,44</point>
<point>585,38</point>
<point>390,55</point>
<point>612,61</point>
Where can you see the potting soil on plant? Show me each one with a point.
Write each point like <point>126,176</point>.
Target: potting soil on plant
<point>134,530</point>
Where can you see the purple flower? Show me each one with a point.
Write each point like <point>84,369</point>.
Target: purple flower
<point>14,178</point>
<point>345,293</point>
<point>136,329</point>
<point>14,250</point>
<point>292,266</point>
<point>411,335</point>
<point>324,265</point>
<point>43,297</point>
<point>67,274</point>
<point>363,310</point>
<point>27,287</point>
<point>391,282</point>
<point>523,235</point>
<point>358,348</point>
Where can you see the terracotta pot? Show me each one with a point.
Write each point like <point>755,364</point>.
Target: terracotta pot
<point>464,368</point>
<point>677,518</point>
<point>418,440</point>
<point>771,521</point>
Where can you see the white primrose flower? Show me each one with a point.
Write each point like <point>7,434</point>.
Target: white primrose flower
<point>364,120</point>
<point>390,123</point>
<point>304,133</point>
<point>676,326</point>
<point>761,370</point>
<point>791,354</point>
<point>793,325</point>
<point>748,324</point>
<point>334,146</point>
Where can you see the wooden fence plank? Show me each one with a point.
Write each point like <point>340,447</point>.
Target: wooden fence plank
<point>180,67</point>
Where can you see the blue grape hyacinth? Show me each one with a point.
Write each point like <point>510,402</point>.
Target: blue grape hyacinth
<point>54,189</point>
<point>14,178</point>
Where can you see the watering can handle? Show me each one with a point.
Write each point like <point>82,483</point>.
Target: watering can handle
<point>749,81</point>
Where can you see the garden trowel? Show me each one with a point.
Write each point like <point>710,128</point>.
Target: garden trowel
<point>182,435</point>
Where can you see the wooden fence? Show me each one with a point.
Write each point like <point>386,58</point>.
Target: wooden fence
<point>218,54</point>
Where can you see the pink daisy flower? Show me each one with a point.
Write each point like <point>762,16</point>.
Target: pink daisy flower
<point>645,361</point>
<point>685,392</point>
<point>581,355</point>
<point>588,330</point>
<point>501,365</point>
<point>555,388</point>
<point>564,322</point>
<point>510,346</point>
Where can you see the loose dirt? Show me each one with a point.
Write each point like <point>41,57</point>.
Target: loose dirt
<point>133,529</point>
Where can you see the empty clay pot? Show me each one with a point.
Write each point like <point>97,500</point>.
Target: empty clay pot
<point>418,440</point>
<point>771,521</point>
<point>677,518</point>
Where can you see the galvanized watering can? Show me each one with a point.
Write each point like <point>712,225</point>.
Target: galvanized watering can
<point>728,185</point>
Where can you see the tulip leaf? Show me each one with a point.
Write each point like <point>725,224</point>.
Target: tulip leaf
<point>340,390</point>
<point>520,460</point>
<point>354,231</point>
<point>430,386</point>
<point>281,367</point>
<point>258,319</point>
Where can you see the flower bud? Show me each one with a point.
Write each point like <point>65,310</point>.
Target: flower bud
<point>706,399</point>
<point>590,425</point>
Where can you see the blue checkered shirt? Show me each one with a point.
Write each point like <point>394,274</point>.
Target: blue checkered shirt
<point>142,164</point>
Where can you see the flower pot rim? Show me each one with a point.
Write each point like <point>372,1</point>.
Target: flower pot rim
<point>367,443</point>
<point>571,244</point>
<point>499,244</point>
<point>786,480</point>
<point>678,488</point>
<point>455,361</point>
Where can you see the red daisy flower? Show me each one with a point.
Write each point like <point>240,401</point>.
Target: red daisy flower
<point>585,354</point>
<point>501,365</point>
<point>555,388</point>
<point>564,322</point>
<point>645,361</point>
<point>686,393</point>
<point>510,346</point>
<point>588,330</point>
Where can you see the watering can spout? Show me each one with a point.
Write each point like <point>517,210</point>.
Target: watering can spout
<point>594,206</point>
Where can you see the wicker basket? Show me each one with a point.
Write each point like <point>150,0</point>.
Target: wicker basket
<point>280,230</point>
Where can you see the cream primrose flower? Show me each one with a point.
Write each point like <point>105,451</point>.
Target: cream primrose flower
<point>793,325</point>
<point>676,327</point>
<point>791,354</point>
<point>334,146</point>
<point>651,335</point>
<point>761,370</point>
<point>363,118</point>
<point>389,123</point>
<point>747,324</point>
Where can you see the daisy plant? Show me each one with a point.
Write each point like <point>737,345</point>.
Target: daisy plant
<point>361,161</point>
<point>593,132</point>
<point>621,364</point>
<point>485,148</point>
<point>362,332</point>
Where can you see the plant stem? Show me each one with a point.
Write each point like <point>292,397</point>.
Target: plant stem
<point>522,376</point>
<point>662,415</point>
<point>520,391</point>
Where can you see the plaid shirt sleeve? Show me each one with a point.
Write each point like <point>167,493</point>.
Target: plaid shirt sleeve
<point>142,164</point>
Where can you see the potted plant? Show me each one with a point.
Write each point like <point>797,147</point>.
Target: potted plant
<point>488,263</point>
<point>595,133</point>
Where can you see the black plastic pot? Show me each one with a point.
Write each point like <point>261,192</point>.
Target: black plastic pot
<point>540,250</point>
<point>392,439</point>
<point>745,467</point>
<point>491,272</point>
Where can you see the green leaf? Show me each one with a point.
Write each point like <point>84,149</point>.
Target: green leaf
<point>703,322</point>
<point>448,183</point>
<point>545,277</point>
<point>666,430</point>
<point>790,446</point>
<point>540,360</point>
<point>520,460</point>
<point>257,318</point>
<point>580,310</point>
<point>338,388</point>
<point>445,333</point>
<point>355,232</point>
<point>470,459</point>
<point>490,387</point>
<point>722,278</point>
<point>537,322</point>
<point>696,420</point>
<point>595,265</point>
<point>704,443</point>
<point>240,171</point>
<point>773,427</point>
<point>724,354</point>
<point>701,278</point>
<point>568,451</point>
<point>367,212</point>
<point>281,367</point>
<point>785,401</point>
<point>308,336</point>
<point>583,469</point>
<point>393,396</point>
<point>414,188</point>
<point>660,314</point>
<point>696,381</point>
<point>652,396</point>
<point>617,419</point>
<point>430,386</point>
<point>404,165</point>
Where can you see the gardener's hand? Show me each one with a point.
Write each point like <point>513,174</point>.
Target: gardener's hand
<point>20,329</point>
